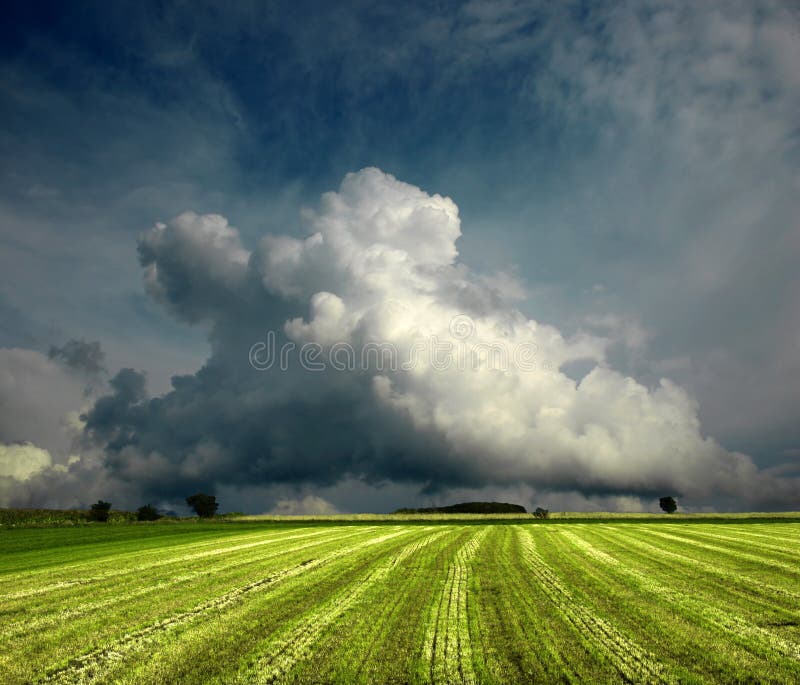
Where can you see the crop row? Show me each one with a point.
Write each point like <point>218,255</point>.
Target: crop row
<point>443,603</point>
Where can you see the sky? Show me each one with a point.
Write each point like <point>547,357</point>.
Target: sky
<point>589,209</point>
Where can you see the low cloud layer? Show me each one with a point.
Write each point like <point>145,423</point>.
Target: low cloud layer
<point>44,461</point>
<point>378,266</point>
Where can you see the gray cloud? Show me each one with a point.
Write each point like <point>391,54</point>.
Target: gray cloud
<point>44,460</point>
<point>39,400</point>
<point>85,359</point>
<point>678,195</point>
<point>379,264</point>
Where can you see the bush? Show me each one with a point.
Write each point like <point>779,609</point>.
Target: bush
<point>540,513</point>
<point>668,504</point>
<point>99,511</point>
<point>147,512</point>
<point>205,506</point>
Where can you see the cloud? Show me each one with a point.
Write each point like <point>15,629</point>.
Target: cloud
<point>650,148</point>
<point>85,360</point>
<point>83,357</point>
<point>379,267</point>
<point>21,461</point>
<point>44,460</point>
<point>194,265</point>
<point>29,477</point>
<point>308,505</point>
<point>686,186</point>
<point>39,400</point>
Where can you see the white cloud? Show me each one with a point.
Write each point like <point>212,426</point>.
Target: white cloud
<point>608,432</point>
<point>22,461</point>
<point>380,265</point>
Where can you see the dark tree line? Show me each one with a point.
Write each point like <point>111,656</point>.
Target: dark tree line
<point>205,506</point>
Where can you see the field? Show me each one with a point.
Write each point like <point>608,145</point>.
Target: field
<point>446,601</point>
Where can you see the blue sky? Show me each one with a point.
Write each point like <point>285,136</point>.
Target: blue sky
<point>627,172</point>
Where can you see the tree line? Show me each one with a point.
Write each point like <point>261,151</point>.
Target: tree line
<point>205,506</point>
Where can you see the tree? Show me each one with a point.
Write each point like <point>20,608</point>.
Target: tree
<point>147,512</point>
<point>99,511</point>
<point>205,506</point>
<point>668,504</point>
<point>540,513</point>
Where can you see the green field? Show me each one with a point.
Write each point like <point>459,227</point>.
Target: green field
<point>386,601</point>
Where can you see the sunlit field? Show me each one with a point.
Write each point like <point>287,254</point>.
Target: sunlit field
<point>386,601</point>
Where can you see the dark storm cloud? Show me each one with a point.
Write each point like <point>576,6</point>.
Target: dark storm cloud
<point>84,357</point>
<point>378,265</point>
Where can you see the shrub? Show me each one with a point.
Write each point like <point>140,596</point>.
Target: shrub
<point>99,511</point>
<point>147,512</point>
<point>205,506</point>
<point>668,504</point>
<point>540,513</point>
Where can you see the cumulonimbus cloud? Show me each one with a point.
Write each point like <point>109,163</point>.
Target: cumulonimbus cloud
<point>379,266</point>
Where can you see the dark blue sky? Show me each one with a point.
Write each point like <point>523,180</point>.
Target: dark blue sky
<point>633,171</point>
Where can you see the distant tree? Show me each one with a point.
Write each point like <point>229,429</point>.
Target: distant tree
<point>668,504</point>
<point>540,513</point>
<point>205,506</point>
<point>99,511</point>
<point>469,508</point>
<point>147,512</point>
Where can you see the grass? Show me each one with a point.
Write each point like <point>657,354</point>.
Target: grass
<point>446,600</point>
<point>561,517</point>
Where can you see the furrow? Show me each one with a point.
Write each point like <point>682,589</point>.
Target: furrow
<point>120,557</point>
<point>447,644</point>
<point>736,579</point>
<point>284,652</point>
<point>533,627</point>
<point>53,619</point>
<point>793,568</point>
<point>89,667</point>
<point>128,570</point>
<point>633,662</point>
<point>768,536</point>
<point>386,616</point>
<point>738,541</point>
<point>710,614</point>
